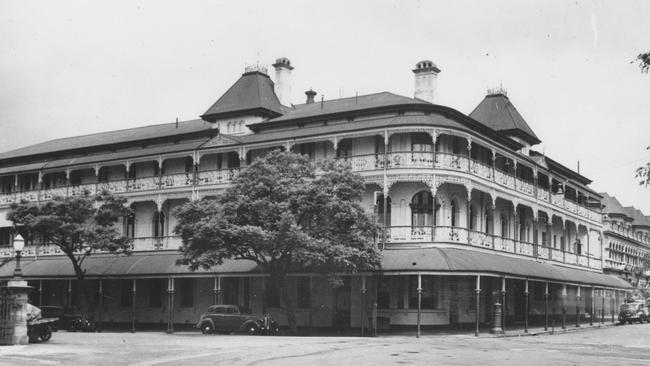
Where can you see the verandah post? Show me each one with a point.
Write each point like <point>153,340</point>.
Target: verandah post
<point>419,303</point>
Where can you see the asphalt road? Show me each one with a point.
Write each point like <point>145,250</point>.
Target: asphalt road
<point>617,345</point>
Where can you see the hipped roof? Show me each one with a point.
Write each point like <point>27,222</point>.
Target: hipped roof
<point>497,112</point>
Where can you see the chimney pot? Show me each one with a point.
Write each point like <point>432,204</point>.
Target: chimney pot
<point>310,96</point>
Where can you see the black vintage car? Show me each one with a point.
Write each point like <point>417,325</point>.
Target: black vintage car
<point>68,319</point>
<point>634,311</point>
<point>232,318</point>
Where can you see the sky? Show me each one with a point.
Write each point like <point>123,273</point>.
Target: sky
<point>70,68</point>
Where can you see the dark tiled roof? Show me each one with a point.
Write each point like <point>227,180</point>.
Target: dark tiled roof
<point>253,91</point>
<point>110,138</point>
<point>361,102</point>
<point>612,206</point>
<point>639,218</point>
<point>496,111</point>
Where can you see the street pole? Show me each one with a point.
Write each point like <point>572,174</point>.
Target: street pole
<point>564,306</point>
<point>478,306</point>
<point>526,309</point>
<point>419,302</point>
<point>546,307</point>
<point>578,307</point>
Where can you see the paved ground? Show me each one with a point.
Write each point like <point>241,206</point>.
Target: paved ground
<point>614,345</point>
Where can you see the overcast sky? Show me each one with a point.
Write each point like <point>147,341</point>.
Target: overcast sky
<point>72,68</point>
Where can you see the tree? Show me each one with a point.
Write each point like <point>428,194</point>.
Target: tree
<point>644,61</point>
<point>79,226</point>
<point>282,215</point>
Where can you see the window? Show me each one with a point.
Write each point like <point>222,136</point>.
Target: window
<point>489,223</point>
<point>473,217</point>
<point>185,288</point>
<point>544,243</point>
<point>129,226</point>
<point>5,236</point>
<point>155,293</point>
<point>383,292</point>
<point>422,210</point>
<point>344,149</point>
<point>380,210</point>
<point>428,294</point>
<point>421,142</point>
<point>303,289</point>
<point>454,211</point>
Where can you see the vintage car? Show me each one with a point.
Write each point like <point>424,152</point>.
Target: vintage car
<point>634,311</point>
<point>233,318</point>
<point>68,319</point>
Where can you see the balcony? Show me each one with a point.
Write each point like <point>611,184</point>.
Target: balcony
<point>358,163</point>
<point>397,235</point>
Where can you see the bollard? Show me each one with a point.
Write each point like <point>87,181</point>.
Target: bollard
<point>496,321</point>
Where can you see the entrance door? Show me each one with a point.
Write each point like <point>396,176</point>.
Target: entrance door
<point>341,305</point>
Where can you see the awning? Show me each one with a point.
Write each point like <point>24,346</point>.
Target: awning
<point>461,260</point>
<point>109,265</point>
<point>451,260</point>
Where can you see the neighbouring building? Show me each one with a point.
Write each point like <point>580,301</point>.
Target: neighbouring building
<point>626,243</point>
<point>473,215</point>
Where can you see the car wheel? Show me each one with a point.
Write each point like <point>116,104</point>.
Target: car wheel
<point>251,329</point>
<point>46,334</point>
<point>207,328</point>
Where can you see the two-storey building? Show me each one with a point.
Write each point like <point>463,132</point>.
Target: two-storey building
<point>471,214</point>
<point>626,242</point>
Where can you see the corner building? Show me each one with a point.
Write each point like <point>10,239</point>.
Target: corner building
<point>471,214</point>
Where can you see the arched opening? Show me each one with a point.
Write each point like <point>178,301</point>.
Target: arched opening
<point>489,222</point>
<point>422,210</point>
<point>473,218</point>
<point>158,224</point>
<point>454,213</point>
<point>380,210</point>
<point>504,226</point>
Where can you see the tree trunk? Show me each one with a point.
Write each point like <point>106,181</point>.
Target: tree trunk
<point>87,307</point>
<point>288,301</point>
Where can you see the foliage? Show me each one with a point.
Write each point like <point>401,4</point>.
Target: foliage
<point>282,215</point>
<point>644,61</point>
<point>79,226</point>
<point>643,173</point>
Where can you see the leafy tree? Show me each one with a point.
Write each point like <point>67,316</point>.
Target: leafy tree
<point>282,215</point>
<point>79,226</point>
<point>644,61</point>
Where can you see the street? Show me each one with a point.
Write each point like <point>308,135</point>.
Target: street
<point>615,345</point>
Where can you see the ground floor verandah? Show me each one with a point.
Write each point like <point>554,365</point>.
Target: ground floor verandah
<point>424,287</point>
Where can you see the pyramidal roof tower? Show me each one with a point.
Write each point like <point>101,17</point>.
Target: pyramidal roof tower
<point>252,95</point>
<point>497,112</point>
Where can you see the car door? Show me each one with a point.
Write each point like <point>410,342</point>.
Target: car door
<point>217,317</point>
<point>232,319</point>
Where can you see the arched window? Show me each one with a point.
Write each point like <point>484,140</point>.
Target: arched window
<point>129,226</point>
<point>454,212</point>
<point>422,210</point>
<point>158,224</point>
<point>473,217</point>
<point>380,210</point>
<point>504,226</point>
<point>489,222</point>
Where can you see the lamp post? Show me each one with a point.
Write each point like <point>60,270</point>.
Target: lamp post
<point>19,290</point>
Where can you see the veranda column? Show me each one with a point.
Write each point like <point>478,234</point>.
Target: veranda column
<point>70,293</point>
<point>101,304</point>
<point>216,290</point>
<point>563,306</point>
<point>133,291</point>
<point>578,306</point>
<point>526,293</point>
<point>593,306</point>
<point>602,306</point>
<point>40,292</point>
<point>477,290</point>
<point>503,300</point>
<point>612,304</point>
<point>546,306</point>
<point>549,234</point>
<point>363,304</point>
<point>419,303</point>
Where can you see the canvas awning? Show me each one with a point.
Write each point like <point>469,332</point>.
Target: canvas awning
<point>478,262</point>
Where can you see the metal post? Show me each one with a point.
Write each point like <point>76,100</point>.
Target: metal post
<point>216,290</point>
<point>419,302</point>
<point>363,304</point>
<point>602,307</point>
<point>133,307</point>
<point>546,307</point>
<point>101,304</point>
<point>70,293</point>
<point>612,305</point>
<point>563,306</point>
<point>526,310</point>
<point>578,307</point>
<point>40,292</point>
<point>477,290</point>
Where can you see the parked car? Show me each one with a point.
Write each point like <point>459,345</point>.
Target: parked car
<point>68,319</point>
<point>634,311</point>
<point>233,318</point>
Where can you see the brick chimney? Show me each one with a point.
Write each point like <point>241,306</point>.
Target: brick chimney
<point>426,80</point>
<point>283,80</point>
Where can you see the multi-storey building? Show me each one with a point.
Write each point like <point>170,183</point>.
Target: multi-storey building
<point>626,242</point>
<point>471,214</point>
